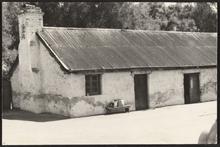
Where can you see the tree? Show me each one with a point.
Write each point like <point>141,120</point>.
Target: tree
<point>178,17</point>
<point>205,17</point>
<point>10,38</point>
<point>80,14</point>
<point>137,16</point>
<point>126,15</point>
<point>157,16</point>
<point>53,13</point>
<point>10,12</point>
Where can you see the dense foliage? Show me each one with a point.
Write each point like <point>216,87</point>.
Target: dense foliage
<point>123,15</point>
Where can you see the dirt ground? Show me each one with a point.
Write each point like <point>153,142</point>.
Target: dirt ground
<point>181,124</point>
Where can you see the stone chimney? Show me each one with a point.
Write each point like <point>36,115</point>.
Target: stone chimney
<point>30,21</point>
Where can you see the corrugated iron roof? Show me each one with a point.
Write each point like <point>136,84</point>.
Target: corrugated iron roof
<point>93,49</point>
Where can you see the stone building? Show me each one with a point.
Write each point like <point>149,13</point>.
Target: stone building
<point>77,71</point>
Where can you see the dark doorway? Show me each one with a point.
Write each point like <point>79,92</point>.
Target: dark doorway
<point>6,94</point>
<point>141,91</point>
<point>191,88</point>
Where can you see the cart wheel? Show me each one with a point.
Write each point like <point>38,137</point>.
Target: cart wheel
<point>126,109</point>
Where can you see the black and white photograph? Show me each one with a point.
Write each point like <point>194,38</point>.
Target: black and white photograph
<point>93,73</point>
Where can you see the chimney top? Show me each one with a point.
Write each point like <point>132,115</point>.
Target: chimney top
<point>31,9</point>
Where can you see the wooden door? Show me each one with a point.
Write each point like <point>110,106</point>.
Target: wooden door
<point>141,91</point>
<point>191,88</point>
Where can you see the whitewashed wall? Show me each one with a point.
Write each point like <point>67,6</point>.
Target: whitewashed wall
<point>165,88</point>
<point>208,84</point>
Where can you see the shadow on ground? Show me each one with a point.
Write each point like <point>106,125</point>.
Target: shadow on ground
<point>17,114</point>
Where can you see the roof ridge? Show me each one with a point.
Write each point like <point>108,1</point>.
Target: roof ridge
<point>115,29</point>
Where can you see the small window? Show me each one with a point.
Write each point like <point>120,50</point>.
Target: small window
<point>93,84</point>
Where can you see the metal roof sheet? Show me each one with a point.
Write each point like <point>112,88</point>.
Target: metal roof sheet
<point>94,49</point>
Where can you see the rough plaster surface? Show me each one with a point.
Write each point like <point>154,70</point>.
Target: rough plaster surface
<point>165,88</point>
<point>208,84</point>
<point>55,81</point>
<point>29,24</point>
<point>73,107</point>
<point>118,85</point>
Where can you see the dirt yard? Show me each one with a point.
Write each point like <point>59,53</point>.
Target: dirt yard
<point>181,124</point>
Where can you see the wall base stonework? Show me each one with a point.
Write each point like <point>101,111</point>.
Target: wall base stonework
<point>72,107</point>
